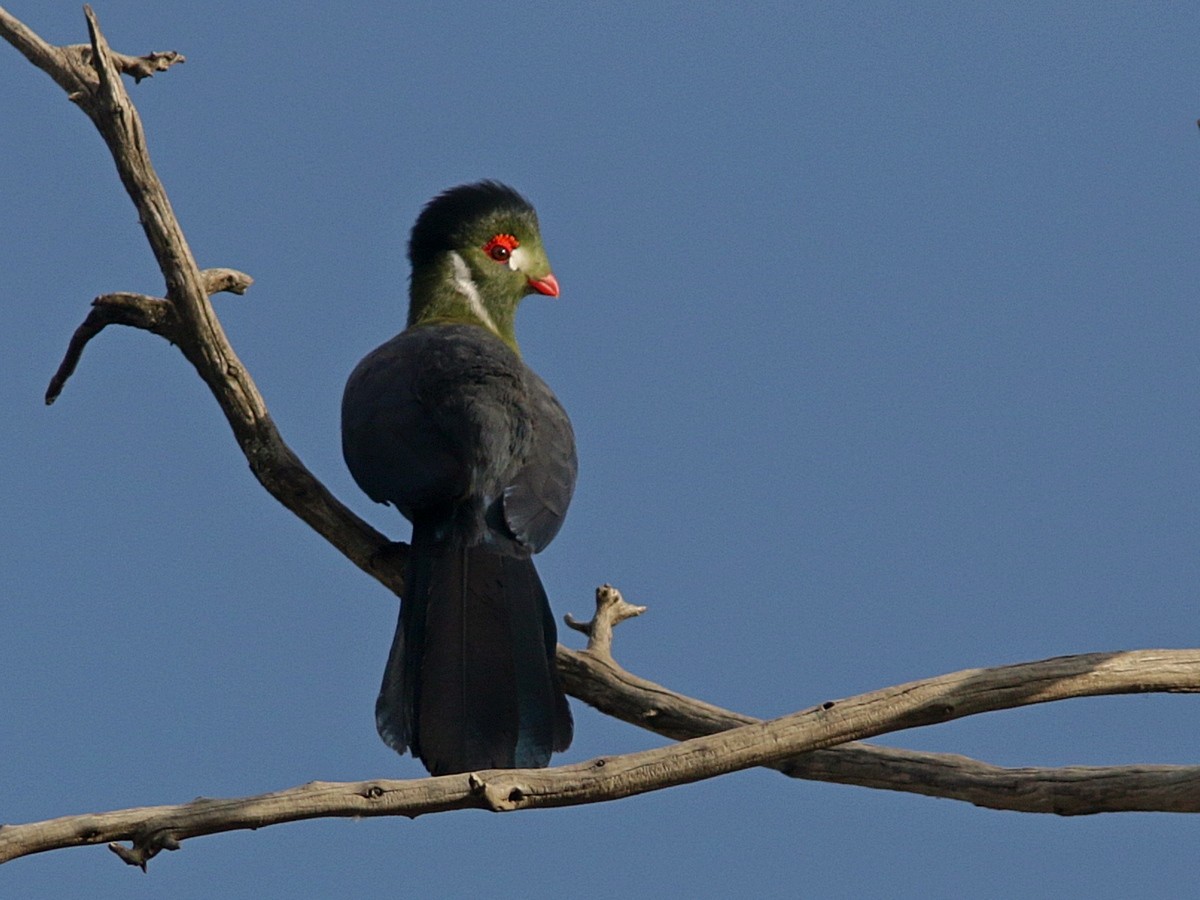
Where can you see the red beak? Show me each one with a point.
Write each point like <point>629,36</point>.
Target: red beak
<point>547,285</point>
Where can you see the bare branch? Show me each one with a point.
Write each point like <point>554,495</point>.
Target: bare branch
<point>229,281</point>
<point>93,81</point>
<point>138,67</point>
<point>136,310</point>
<point>70,66</point>
<point>65,68</point>
<point>918,703</point>
<point>611,611</point>
<point>1068,791</point>
<point>595,677</point>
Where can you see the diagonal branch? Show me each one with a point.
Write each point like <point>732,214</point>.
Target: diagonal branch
<point>1065,791</point>
<point>92,80</point>
<point>135,310</point>
<point>911,705</point>
<point>596,678</point>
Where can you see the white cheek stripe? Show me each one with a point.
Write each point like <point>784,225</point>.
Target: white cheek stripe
<point>516,259</point>
<point>465,285</point>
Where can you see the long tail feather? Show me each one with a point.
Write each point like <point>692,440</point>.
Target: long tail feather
<point>394,705</point>
<point>470,682</point>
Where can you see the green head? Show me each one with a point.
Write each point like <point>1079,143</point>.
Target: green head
<point>476,251</point>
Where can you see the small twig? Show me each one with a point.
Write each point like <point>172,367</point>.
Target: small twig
<point>152,314</point>
<point>136,310</point>
<point>138,67</point>
<point>145,848</point>
<point>611,611</point>
<point>229,281</point>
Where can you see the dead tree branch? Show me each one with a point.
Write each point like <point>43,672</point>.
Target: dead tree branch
<point>911,705</point>
<point>595,677</point>
<point>152,314</point>
<point>91,76</point>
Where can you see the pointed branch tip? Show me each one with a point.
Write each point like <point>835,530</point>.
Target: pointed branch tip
<point>136,310</point>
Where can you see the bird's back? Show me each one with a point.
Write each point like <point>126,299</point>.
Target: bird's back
<point>443,412</point>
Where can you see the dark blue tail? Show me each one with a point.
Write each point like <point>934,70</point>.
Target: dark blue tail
<point>470,682</point>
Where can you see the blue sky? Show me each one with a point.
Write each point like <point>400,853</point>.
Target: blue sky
<point>879,332</point>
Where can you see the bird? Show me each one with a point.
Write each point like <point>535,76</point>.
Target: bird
<point>447,423</point>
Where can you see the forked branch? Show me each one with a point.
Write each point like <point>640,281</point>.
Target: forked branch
<point>92,79</point>
<point>152,314</point>
<point>594,676</point>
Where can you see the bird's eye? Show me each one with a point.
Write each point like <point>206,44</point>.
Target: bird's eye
<point>501,246</point>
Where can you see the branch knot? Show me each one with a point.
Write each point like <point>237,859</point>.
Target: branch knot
<point>495,795</point>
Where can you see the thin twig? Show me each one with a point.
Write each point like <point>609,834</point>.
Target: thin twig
<point>137,67</point>
<point>152,314</point>
<point>611,610</point>
<point>135,310</point>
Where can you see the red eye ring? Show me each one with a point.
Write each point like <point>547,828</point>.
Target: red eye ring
<point>501,246</point>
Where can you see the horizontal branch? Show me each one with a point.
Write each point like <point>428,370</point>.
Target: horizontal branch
<point>137,67</point>
<point>911,705</point>
<point>596,678</point>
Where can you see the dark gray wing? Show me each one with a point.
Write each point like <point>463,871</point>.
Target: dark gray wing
<point>388,439</point>
<point>536,500</point>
